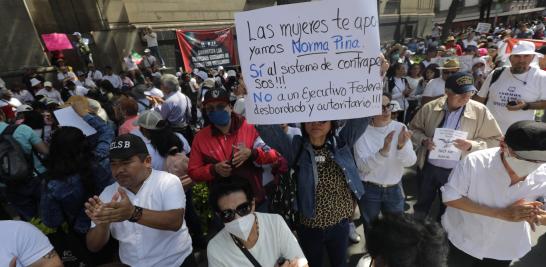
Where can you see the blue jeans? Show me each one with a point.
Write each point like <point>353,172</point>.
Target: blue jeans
<point>335,238</point>
<point>380,199</point>
<point>433,178</point>
<point>155,52</point>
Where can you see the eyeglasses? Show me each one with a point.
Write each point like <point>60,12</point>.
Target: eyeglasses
<point>242,210</point>
<point>388,107</point>
<point>212,108</point>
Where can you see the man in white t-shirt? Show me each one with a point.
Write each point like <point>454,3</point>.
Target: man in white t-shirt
<point>249,236</point>
<point>143,210</point>
<point>24,245</point>
<point>50,92</point>
<point>148,60</point>
<point>64,75</point>
<point>93,73</point>
<point>151,40</point>
<point>436,87</point>
<point>470,40</point>
<point>518,91</point>
<point>491,195</point>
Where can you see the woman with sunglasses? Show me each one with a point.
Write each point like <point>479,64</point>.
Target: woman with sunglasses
<point>264,239</point>
<point>328,183</point>
<point>381,155</point>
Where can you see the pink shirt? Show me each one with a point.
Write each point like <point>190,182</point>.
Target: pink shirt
<point>128,126</point>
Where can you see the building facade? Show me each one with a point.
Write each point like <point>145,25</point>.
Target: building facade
<point>114,26</point>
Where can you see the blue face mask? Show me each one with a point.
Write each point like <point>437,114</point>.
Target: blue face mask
<point>220,118</point>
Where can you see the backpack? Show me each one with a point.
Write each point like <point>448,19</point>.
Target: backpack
<point>494,77</point>
<point>15,165</point>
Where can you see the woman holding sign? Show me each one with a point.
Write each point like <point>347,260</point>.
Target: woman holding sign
<point>328,183</point>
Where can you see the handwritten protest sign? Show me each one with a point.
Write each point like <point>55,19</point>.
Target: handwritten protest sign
<point>483,27</point>
<point>56,41</point>
<point>443,139</point>
<point>313,61</point>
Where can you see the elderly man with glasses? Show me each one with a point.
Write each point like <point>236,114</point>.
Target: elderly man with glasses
<point>491,197</point>
<point>455,111</point>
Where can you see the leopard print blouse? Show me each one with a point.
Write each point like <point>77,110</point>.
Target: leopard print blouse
<point>333,199</point>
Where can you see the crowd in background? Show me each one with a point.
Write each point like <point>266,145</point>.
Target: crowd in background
<point>277,195</point>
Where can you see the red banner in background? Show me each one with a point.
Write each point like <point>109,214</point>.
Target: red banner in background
<point>206,48</point>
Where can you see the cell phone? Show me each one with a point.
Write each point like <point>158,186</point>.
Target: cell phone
<point>512,103</point>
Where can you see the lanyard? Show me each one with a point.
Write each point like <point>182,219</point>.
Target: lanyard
<point>444,120</point>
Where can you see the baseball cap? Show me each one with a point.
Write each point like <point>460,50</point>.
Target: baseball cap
<point>203,75</point>
<point>527,139</point>
<point>127,145</point>
<point>151,120</point>
<point>154,92</point>
<point>216,95</point>
<point>395,106</point>
<point>209,83</point>
<point>77,34</point>
<point>48,84</point>
<point>460,83</point>
<point>450,38</point>
<point>23,108</point>
<point>147,50</point>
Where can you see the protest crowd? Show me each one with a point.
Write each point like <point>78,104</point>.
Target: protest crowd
<point>147,168</point>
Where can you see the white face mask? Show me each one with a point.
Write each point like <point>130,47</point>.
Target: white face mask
<point>522,168</point>
<point>241,227</point>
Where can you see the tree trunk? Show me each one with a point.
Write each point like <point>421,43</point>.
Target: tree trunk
<point>286,2</point>
<point>451,14</point>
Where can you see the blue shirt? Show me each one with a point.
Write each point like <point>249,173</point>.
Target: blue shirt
<point>176,109</point>
<point>63,199</point>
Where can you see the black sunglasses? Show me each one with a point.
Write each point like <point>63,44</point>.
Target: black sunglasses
<point>388,107</point>
<point>242,210</point>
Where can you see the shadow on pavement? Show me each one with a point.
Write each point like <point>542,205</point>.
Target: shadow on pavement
<point>536,257</point>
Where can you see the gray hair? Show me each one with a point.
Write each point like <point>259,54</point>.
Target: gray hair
<point>170,82</point>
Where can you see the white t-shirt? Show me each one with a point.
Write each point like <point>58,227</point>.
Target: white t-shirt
<point>114,79</point>
<point>24,96</point>
<point>24,241</point>
<point>53,95</point>
<point>142,246</point>
<point>482,178</point>
<point>151,39</point>
<point>61,76</point>
<point>95,75</point>
<point>435,87</point>
<point>376,168</point>
<point>275,240</point>
<point>507,88</point>
<point>466,43</point>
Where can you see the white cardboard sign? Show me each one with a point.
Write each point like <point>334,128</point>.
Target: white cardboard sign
<point>312,61</point>
<point>68,117</point>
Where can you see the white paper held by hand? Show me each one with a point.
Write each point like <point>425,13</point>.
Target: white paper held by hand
<point>443,139</point>
<point>68,117</point>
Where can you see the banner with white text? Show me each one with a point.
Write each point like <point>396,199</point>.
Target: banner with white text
<point>312,61</point>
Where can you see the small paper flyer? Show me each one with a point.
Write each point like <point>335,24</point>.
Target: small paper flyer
<point>443,139</point>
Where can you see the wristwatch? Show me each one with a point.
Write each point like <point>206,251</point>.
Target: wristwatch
<point>137,213</point>
<point>526,106</point>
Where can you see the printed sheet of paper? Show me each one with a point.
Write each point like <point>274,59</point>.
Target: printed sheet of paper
<point>443,139</point>
<point>68,117</point>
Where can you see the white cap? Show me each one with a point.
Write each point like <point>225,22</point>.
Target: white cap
<point>231,73</point>
<point>220,68</point>
<point>178,74</point>
<point>48,84</point>
<point>23,108</point>
<point>34,82</point>
<point>147,50</point>
<point>477,60</point>
<point>154,92</point>
<point>77,34</point>
<point>524,48</point>
<point>203,75</point>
